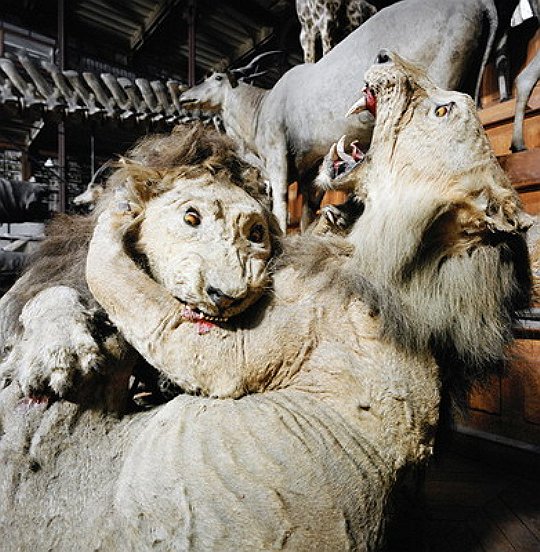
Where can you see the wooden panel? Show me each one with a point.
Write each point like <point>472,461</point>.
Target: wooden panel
<point>523,168</point>
<point>518,60</point>
<point>295,202</point>
<point>497,117</point>
<point>488,398</point>
<point>531,201</point>
<point>503,112</point>
<point>498,121</point>
<point>294,205</point>
<point>510,406</point>
<point>333,198</point>
<point>529,370</point>
<point>500,135</point>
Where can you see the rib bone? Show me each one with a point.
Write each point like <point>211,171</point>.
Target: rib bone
<point>87,97</point>
<point>60,82</point>
<point>28,90</point>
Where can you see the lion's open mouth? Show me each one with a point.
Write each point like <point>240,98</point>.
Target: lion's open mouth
<point>205,322</point>
<point>343,161</point>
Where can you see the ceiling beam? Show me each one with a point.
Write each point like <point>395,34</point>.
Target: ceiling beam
<point>254,11</point>
<point>250,47</point>
<point>152,23</point>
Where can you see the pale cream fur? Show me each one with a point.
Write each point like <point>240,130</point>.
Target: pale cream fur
<point>55,340</point>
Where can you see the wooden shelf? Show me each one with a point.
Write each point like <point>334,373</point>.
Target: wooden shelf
<point>503,112</point>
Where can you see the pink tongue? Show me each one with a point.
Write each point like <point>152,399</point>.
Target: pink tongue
<point>371,101</point>
<point>204,327</point>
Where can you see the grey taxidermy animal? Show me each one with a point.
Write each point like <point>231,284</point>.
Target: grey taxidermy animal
<point>337,373</point>
<point>291,127</point>
<point>525,84</point>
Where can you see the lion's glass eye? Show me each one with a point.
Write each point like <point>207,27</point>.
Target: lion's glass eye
<point>192,217</point>
<point>256,234</point>
<point>442,111</point>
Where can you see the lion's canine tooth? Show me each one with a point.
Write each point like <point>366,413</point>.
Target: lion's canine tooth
<point>343,155</point>
<point>359,106</point>
<point>333,152</point>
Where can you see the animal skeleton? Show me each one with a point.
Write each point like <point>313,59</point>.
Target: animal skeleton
<point>104,95</point>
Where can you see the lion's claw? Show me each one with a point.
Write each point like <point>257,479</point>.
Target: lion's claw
<point>56,346</point>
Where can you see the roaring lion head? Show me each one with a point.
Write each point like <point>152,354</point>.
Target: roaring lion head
<point>441,232</point>
<point>201,226</point>
<point>429,139</point>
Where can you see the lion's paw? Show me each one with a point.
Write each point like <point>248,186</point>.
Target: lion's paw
<point>56,346</point>
<point>335,216</point>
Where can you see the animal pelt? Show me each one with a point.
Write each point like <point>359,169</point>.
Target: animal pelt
<point>460,308</point>
<point>332,407</point>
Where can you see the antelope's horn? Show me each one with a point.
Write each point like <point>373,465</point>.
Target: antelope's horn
<point>252,65</point>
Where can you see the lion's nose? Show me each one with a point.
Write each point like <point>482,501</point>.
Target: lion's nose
<point>220,299</point>
<point>383,57</point>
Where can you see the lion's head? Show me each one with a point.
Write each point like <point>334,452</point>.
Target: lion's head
<point>429,139</point>
<point>201,228</point>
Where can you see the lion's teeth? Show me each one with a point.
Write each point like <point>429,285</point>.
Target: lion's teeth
<point>359,106</point>
<point>192,314</point>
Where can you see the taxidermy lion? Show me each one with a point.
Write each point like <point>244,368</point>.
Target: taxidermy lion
<point>215,277</point>
<point>337,372</point>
